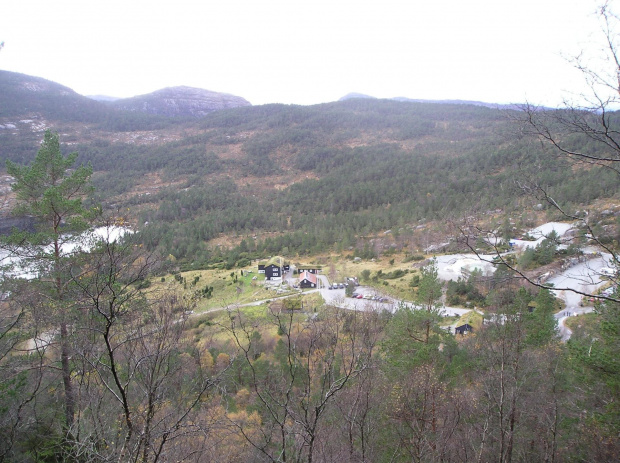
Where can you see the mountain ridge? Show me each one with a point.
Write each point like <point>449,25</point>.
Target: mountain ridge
<point>332,172</point>
<point>355,95</point>
<point>24,95</point>
<point>220,100</point>
<point>180,101</point>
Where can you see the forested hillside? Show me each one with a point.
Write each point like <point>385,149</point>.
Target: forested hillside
<point>167,345</point>
<point>319,177</point>
<point>310,178</point>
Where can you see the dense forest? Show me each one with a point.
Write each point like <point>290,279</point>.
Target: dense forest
<point>308,178</point>
<point>422,162</point>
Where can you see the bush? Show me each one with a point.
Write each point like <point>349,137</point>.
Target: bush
<point>414,258</point>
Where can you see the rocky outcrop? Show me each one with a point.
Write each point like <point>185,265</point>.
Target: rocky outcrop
<point>181,102</point>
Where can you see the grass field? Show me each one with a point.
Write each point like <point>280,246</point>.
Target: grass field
<point>244,286</point>
<point>583,324</point>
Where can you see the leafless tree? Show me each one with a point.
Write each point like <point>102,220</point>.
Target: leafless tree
<point>23,368</point>
<point>585,133</point>
<point>140,382</point>
<point>316,358</point>
<point>591,114</point>
<point>354,424</point>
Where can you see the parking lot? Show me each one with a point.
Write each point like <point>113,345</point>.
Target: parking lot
<point>370,299</point>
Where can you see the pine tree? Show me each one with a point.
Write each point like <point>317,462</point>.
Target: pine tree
<point>51,191</point>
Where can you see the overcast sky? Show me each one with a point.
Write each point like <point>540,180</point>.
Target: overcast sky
<point>304,52</point>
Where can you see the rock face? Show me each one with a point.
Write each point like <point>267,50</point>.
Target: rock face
<point>181,102</point>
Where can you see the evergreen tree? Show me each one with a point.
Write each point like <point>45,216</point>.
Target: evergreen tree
<point>51,191</point>
<point>542,325</point>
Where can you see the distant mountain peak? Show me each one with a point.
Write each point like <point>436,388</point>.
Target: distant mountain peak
<point>181,101</point>
<point>352,95</point>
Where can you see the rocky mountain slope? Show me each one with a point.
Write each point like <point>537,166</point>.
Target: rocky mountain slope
<point>24,96</point>
<point>181,102</point>
<point>28,97</point>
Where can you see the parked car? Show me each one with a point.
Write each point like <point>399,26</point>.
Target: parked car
<point>359,296</point>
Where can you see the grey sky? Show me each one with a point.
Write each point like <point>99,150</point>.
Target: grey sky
<point>304,52</point>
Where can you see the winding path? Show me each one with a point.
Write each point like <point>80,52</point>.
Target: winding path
<point>584,277</point>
